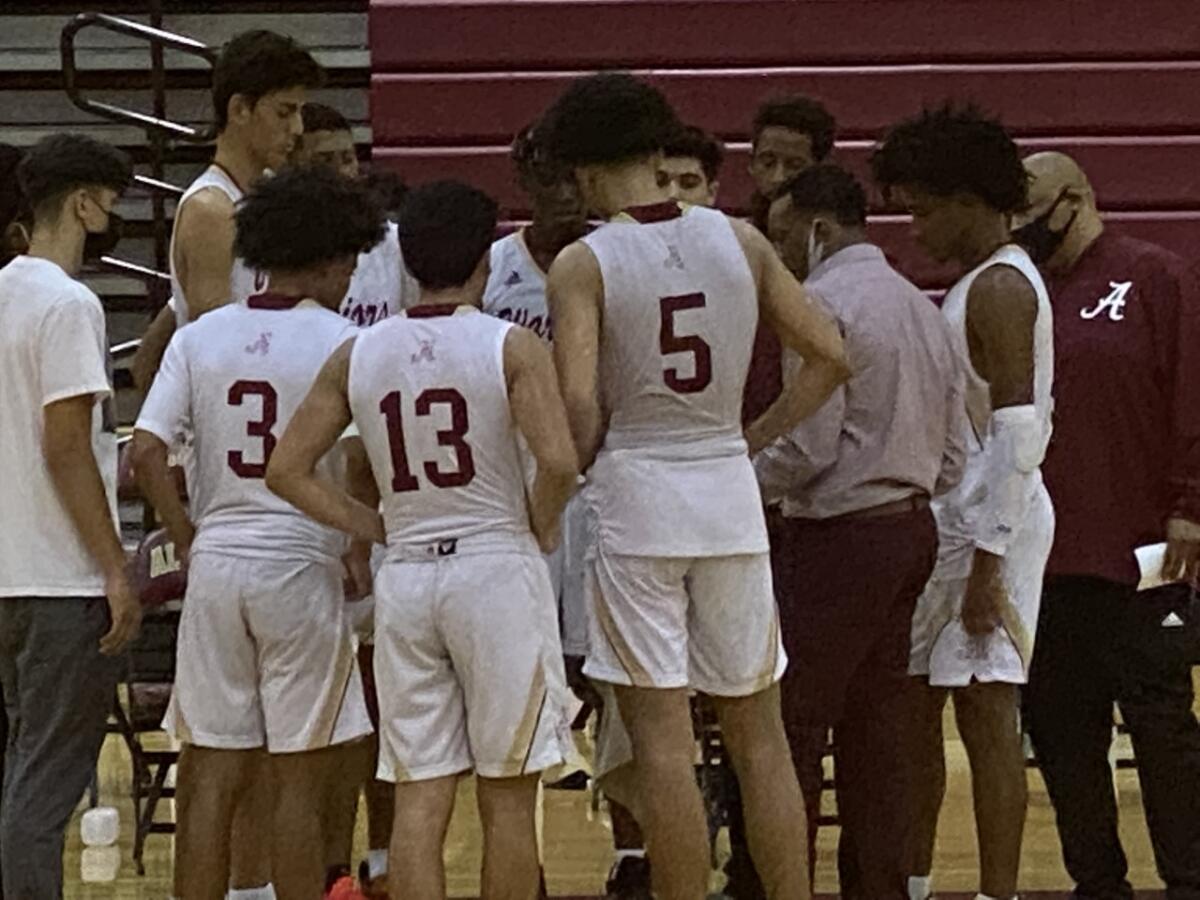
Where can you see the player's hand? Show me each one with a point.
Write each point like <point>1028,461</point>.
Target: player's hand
<point>183,544</point>
<point>359,580</point>
<point>547,531</point>
<point>581,686</point>
<point>125,611</point>
<point>1182,561</point>
<point>985,597</point>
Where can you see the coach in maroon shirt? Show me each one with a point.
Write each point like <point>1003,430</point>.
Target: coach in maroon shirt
<point>1123,470</point>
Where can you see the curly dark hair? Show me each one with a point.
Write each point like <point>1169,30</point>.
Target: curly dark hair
<point>797,113</point>
<point>695,143</point>
<point>257,63</point>
<point>62,163</point>
<point>304,217</point>
<point>608,118</point>
<point>829,189</point>
<point>952,149</point>
<point>532,159</point>
<point>445,229</point>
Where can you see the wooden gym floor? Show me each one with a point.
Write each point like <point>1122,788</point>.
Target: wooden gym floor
<point>578,851</point>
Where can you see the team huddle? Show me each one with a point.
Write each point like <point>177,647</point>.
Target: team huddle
<point>435,482</point>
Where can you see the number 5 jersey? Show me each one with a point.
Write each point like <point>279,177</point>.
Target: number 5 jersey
<point>672,478</point>
<point>235,378</point>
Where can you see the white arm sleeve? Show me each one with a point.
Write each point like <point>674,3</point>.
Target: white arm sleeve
<point>1015,447</point>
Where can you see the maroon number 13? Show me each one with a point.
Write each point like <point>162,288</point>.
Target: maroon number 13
<point>464,470</point>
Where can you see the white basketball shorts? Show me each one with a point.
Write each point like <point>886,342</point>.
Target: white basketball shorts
<point>708,623</point>
<point>265,658</point>
<point>468,665</point>
<point>941,648</point>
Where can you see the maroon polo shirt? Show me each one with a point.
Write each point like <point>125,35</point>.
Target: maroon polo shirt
<point>1125,455</point>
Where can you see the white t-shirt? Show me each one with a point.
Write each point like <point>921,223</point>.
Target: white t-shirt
<point>381,285</point>
<point>235,378</point>
<point>53,346</point>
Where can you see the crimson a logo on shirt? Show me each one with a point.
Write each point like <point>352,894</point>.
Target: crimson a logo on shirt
<point>1114,303</point>
<point>540,326</point>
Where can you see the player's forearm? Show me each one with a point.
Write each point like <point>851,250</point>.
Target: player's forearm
<point>586,431</point>
<point>328,504</point>
<point>150,352</point>
<point>77,480</point>
<point>803,394</point>
<point>551,491</point>
<point>158,486</point>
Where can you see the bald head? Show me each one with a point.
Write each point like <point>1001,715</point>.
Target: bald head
<point>1061,220</point>
<point>1051,174</point>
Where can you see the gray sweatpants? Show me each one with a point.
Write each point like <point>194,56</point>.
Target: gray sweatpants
<point>58,692</point>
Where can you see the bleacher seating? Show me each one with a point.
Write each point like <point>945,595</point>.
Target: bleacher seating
<point>1110,83</point>
<point>115,69</point>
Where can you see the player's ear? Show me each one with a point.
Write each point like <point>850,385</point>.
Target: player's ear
<point>240,109</point>
<point>713,188</point>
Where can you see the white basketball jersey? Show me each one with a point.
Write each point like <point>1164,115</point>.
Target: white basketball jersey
<point>978,394</point>
<point>381,285</point>
<point>680,310</point>
<point>516,287</point>
<point>955,509</point>
<point>243,281</point>
<point>235,378</point>
<point>430,399</point>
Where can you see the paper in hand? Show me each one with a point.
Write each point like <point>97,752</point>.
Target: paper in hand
<point>1150,561</point>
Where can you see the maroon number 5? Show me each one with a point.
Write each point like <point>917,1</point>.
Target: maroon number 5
<point>260,429</point>
<point>669,342</point>
<point>463,472</point>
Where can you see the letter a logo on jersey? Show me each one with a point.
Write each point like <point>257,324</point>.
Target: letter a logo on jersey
<point>1114,303</point>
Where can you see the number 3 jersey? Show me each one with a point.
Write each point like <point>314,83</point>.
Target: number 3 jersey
<point>672,477</point>
<point>430,400</point>
<point>235,378</point>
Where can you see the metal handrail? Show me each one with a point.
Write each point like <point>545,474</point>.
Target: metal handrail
<point>156,37</point>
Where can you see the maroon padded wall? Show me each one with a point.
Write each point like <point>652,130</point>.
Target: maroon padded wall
<point>1116,84</point>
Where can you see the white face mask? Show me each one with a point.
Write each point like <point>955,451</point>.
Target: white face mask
<point>816,250</point>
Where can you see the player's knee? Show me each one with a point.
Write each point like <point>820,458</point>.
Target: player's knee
<point>508,800</point>
<point>987,715</point>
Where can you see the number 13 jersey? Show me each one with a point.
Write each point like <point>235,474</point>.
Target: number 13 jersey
<point>430,399</point>
<point>235,377</point>
<point>672,477</point>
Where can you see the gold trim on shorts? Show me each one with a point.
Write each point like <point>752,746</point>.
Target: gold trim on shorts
<point>327,722</point>
<point>526,733</point>
<point>624,653</point>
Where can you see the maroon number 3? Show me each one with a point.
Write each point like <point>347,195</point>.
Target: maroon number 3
<point>260,429</point>
<point>669,342</point>
<point>463,472</point>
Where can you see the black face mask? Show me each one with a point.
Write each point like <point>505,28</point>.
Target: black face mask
<point>1039,239</point>
<point>102,243</point>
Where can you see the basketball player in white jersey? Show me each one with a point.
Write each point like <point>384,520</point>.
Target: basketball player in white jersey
<point>960,175</point>
<point>468,659</point>
<point>516,288</point>
<point>381,285</point>
<point>260,83</point>
<point>654,316</point>
<point>516,292</point>
<point>264,655</point>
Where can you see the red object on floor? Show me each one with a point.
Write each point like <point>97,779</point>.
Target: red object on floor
<point>345,889</point>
